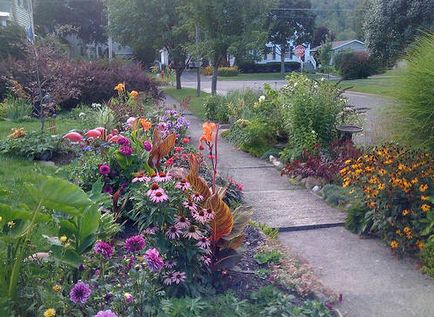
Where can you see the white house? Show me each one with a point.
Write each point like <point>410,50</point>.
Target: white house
<point>273,56</point>
<point>341,46</point>
<point>20,12</point>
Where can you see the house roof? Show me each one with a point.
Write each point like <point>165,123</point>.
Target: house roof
<point>338,44</point>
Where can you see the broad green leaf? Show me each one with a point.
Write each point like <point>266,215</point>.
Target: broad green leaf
<point>89,223</point>
<point>67,228</point>
<point>58,194</point>
<point>86,243</point>
<point>67,256</point>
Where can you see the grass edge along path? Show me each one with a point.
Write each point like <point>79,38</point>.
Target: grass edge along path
<point>196,105</point>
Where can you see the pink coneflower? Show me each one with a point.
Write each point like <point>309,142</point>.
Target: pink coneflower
<point>150,230</point>
<point>182,222</point>
<point>141,179</point>
<point>154,187</point>
<point>204,243</point>
<point>182,185</point>
<point>173,232</point>
<point>158,196</point>
<point>197,197</point>
<point>206,260</point>
<point>190,205</point>
<point>209,213</point>
<point>162,177</point>
<point>154,260</point>
<point>179,277</point>
<point>193,233</point>
<point>104,169</point>
<point>168,278</point>
<point>135,243</point>
<point>200,216</point>
<point>170,264</point>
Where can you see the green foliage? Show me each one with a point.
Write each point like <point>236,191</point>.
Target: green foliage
<point>15,109</point>
<point>325,53</point>
<point>271,233</point>
<point>356,220</point>
<point>13,39</point>
<point>428,257</point>
<point>46,196</point>
<point>264,257</point>
<point>355,65</point>
<point>216,109</point>
<point>311,111</point>
<point>35,145</point>
<point>336,195</point>
<point>414,93</point>
<point>228,71</point>
<point>403,20</point>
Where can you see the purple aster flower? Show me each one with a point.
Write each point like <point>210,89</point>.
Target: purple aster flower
<point>103,248</point>
<point>135,243</point>
<point>87,148</point>
<point>147,145</point>
<point>104,169</point>
<point>154,260</point>
<point>80,293</point>
<point>123,141</point>
<point>126,150</point>
<point>106,313</point>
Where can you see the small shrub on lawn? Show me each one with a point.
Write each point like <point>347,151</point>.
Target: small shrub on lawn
<point>228,71</point>
<point>355,220</point>
<point>428,257</point>
<point>207,71</point>
<point>396,183</point>
<point>354,65</point>
<point>34,145</point>
<point>216,109</point>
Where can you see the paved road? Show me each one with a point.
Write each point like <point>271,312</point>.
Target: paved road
<point>374,130</point>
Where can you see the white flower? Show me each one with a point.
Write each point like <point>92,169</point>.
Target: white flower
<point>81,115</point>
<point>262,98</point>
<point>96,105</point>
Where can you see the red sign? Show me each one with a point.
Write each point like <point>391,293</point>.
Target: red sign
<point>299,50</point>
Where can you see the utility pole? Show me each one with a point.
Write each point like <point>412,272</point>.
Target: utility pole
<point>197,62</point>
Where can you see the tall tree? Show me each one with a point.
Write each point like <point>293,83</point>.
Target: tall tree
<point>228,26</point>
<point>291,20</point>
<point>321,35</point>
<point>86,18</point>
<point>155,23</point>
<point>391,25</point>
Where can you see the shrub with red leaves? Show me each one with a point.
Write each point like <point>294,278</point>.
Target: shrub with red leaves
<point>323,164</point>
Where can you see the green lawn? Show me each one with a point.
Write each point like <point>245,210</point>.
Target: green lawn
<point>197,103</point>
<point>14,171</point>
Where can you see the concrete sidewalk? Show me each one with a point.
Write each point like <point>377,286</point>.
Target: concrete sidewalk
<point>373,282</point>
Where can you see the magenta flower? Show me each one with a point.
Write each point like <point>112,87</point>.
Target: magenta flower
<point>179,277</point>
<point>104,169</point>
<point>126,150</point>
<point>128,298</point>
<point>197,197</point>
<point>154,260</point>
<point>106,313</point>
<point>193,233</point>
<point>80,293</point>
<point>135,243</point>
<point>147,146</point>
<point>204,243</point>
<point>123,141</point>
<point>103,248</point>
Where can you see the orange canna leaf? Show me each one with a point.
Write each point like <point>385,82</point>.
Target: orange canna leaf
<point>198,184</point>
<point>161,148</point>
<point>235,243</point>
<point>223,221</point>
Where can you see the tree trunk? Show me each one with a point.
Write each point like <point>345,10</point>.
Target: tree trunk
<point>178,73</point>
<point>282,60</point>
<point>215,69</point>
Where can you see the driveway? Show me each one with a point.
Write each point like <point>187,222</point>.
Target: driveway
<point>374,128</point>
